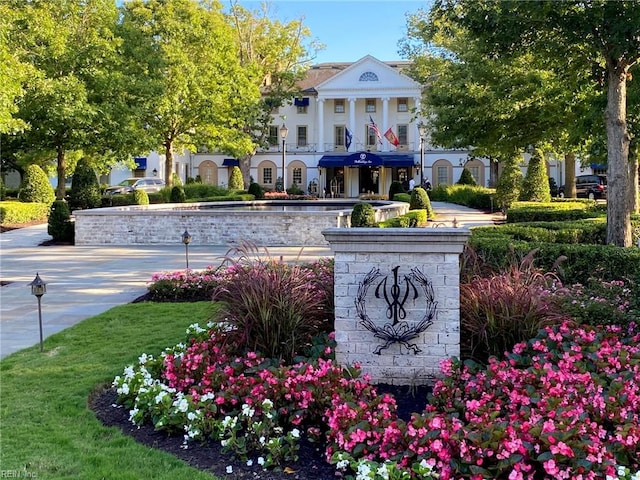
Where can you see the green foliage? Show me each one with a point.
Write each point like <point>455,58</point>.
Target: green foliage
<point>35,186</point>
<point>506,308</point>
<point>591,232</point>
<point>402,197</point>
<point>60,226</point>
<point>294,189</point>
<point>509,184</point>
<point>467,195</point>
<point>176,180</point>
<point>273,307</point>
<point>535,186</point>
<point>13,213</point>
<point>3,190</point>
<point>236,182</point>
<point>553,211</point>
<point>256,190</point>
<point>140,197</point>
<point>420,200</point>
<point>363,215</point>
<point>395,188</point>
<point>466,178</point>
<point>177,194</point>
<point>411,219</point>
<point>197,191</point>
<point>85,189</point>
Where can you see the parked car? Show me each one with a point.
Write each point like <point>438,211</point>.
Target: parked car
<point>589,186</point>
<point>148,184</point>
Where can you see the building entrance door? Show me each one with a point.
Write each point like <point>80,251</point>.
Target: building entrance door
<point>369,178</point>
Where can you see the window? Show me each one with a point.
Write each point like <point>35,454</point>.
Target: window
<point>403,134</point>
<point>370,135</point>
<point>338,105</point>
<point>368,77</point>
<point>273,135</point>
<point>403,104</point>
<point>370,105</point>
<point>267,175</point>
<point>443,175</point>
<point>302,136</point>
<point>339,136</point>
<point>297,176</point>
<point>474,170</point>
<point>302,109</point>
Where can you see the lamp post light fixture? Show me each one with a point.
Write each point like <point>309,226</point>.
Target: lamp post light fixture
<point>39,288</point>
<point>186,239</point>
<point>284,131</point>
<point>422,130</point>
<point>155,172</point>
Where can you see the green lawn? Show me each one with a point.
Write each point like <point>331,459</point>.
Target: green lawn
<point>47,430</point>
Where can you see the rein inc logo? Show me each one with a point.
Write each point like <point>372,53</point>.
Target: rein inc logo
<point>391,307</point>
<point>17,474</point>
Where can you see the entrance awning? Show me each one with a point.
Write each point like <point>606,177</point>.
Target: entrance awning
<point>231,162</point>
<point>367,159</point>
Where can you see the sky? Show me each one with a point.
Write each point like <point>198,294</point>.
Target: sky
<point>349,29</point>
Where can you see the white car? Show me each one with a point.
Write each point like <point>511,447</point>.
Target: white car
<point>148,184</point>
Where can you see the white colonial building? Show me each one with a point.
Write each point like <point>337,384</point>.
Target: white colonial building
<point>331,147</point>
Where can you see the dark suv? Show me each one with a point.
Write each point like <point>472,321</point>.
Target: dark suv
<point>589,186</point>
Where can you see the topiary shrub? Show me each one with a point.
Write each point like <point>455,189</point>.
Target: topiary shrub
<point>395,188</point>
<point>236,182</point>
<point>256,190</point>
<point>509,184</point>
<point>295,189</point>
<point>35,186</point>
<point>85,188</point>
<point>466,178</point>
<point>141,197</point>
<point>177,194</point>
<point>535,186</point>
<point>176,180</point>
<point>60,226</point>
<point>363,215</point>
<point>420,201</point>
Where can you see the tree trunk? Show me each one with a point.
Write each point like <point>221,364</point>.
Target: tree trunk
<point>618,208</point>
<point>570,175</point>
<point>168,162</point>
<point>62,173</point>
<point>245,168</point>
<point>634,172</point>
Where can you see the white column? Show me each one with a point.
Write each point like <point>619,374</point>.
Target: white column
<point>385,122</point>
<point>352,123</point>
<point>320,124</point>
<point>416,132</point>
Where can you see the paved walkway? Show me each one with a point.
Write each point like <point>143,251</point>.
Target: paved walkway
<point>85,281</point>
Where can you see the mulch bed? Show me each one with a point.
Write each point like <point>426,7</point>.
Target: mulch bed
<point>207,456</point>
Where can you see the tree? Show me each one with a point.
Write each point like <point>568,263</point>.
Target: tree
<point>600,34</point>
<point>235,179</point>
<point>35,186</point>
<point>85,189</point>
<point>186,83</point>
<point>509,183</point>
<point>535,186</point>
<point>71,47</point>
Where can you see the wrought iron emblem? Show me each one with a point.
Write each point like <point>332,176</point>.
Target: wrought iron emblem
<point>396,296</point>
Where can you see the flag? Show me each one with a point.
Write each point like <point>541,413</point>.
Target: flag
<point>347,137</point>
<point>389,135</point>
<point>374,128</point>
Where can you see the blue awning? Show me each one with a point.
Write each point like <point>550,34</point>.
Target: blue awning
<point>231,162</point>
<point>301,102</point>
<point>141,163</point>
<point>367,159</point>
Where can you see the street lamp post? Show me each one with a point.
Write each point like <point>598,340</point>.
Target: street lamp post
<point>186,239</point>
<point>39,288</point>
<point>422,130</point>
<point>283,133</point>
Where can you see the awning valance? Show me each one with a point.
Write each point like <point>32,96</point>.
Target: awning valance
<point>367,159</point>
<point>301,102</point>
<point>141,163</point>
<point>231,162</point>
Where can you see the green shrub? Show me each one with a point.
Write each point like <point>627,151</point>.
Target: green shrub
<point>140,197</point>
<point>60,226</point>
<point>85,188</point>
<point>466,178</point>
<point>363,215</point>
<point>256,190</point>
<point>420,201</point>
<point>402,197</point>
<point>509,184</point>
<point>14,213</point>
<point>156,198</point>
<point>467,195</point>
<point>411,219</point>
<point>176,181</point>
<point>294,189</point>
<point>509,307</point>
<point>198,191</point>
<point>551,212</point>
<point>177,194</point>
<point>35,186</point>
<point>236,182</point>
<point>535,186</point>
<point>395,188</point>
<point>3,190</point>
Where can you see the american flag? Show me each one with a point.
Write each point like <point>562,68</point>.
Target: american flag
<point>374,128</point>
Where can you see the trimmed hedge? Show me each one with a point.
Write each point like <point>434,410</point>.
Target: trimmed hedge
<point>581,262</point>
<point>19,212</point>
<point>411,219</point>
<point>402,197</point>
<point>470,196</point>
<point>551,212</point>
<point>590,231</point>
<point>200,190</point>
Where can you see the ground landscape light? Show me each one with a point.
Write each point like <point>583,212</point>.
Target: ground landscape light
<point>39,288</point>
<point>186,239</point>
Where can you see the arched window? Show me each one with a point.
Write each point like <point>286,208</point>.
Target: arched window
<point>368,77</point>
<point>208,172</point>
